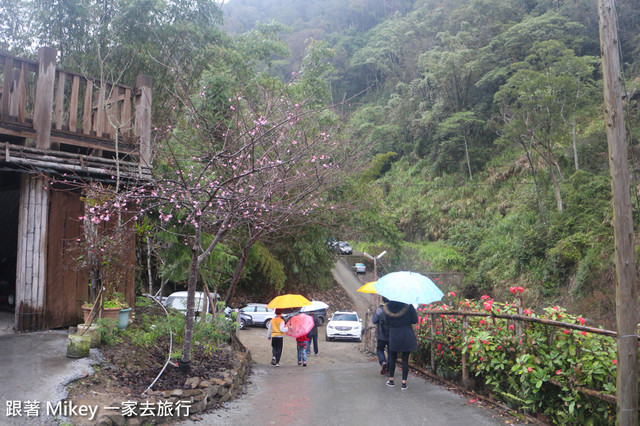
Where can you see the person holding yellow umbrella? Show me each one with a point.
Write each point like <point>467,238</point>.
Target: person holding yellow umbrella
<point>277,328</point>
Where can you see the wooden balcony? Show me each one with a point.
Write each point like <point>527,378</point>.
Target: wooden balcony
<point>59,121</point>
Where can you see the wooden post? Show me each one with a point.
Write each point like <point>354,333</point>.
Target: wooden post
<point>44,96</point>
<point>143,119</point>
<point>6,89</point>
<point>466,383</point>
<point>519,325</point>
<point>626,293</point>
<point>433,341</point>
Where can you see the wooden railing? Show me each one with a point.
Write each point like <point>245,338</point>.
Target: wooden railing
<point>50,109</point>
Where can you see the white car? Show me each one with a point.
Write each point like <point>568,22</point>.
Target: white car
<point>359,268</point>
<point>178,300</point>
<point>344,325</point>
<point>344,248</point>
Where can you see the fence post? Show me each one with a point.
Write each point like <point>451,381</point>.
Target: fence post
<point>466,383</point>
<point>519,329</point>
<point>433,339</point>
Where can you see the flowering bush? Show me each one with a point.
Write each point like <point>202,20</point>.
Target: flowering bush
<point>539,369</point>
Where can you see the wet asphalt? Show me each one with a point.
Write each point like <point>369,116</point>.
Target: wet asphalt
<point>34,370</point>
<point>353,394</point>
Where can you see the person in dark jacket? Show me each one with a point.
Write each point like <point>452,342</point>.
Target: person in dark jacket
<point>382,336</point>
<point>313,335</point>
<point>402,338</point>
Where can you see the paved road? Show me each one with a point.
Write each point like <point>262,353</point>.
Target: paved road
<point>341,388</point>
<point>34,367</point>
<point>349,394</point>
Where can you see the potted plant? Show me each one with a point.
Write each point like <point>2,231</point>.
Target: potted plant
<point>104,252</point>
<point>111,308</point>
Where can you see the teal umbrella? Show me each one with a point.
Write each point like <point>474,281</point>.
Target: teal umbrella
<point>408,287</point>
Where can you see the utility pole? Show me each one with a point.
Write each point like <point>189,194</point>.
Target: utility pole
<point>375,259</point>
<point>626,293</point>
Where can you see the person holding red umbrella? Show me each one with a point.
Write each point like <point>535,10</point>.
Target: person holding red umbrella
<point>275,332</point>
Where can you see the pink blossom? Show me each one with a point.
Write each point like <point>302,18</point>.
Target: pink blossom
<point>529,369</point>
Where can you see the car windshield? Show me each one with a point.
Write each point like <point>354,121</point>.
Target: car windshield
<point>180,303</point>
<point>345,317</point>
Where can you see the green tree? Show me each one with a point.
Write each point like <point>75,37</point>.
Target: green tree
<point>535,98</point>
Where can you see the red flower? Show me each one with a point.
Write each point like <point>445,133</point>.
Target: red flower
<point>528,312</point>
<point>566,331</point>
<point>584,333</point>
<point>485,297</point>
<point>581,320</point>
<point>558,372</point>
<point>482,322</point>
<point>513,290</point>
<point>511,327</point>
<point>529,369</point>
<point>615,362</point>
<point>521,289</point>
<point>452,294</point>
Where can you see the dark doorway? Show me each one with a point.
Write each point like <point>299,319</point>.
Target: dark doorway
<point>9,212</point>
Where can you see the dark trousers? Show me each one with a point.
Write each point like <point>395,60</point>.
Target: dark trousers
<point>313,339</point>
<point>380,347</point>
<point>405,364</point>
<point>276,348</point>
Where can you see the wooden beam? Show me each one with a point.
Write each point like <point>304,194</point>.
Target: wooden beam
<point>44,96</point>
<point>143,119</point>
<point>6,87</point>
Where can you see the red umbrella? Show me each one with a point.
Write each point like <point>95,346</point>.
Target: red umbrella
<point>299,325</point>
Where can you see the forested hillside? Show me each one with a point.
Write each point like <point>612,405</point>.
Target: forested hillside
<point>479,124</point>
<point>488,146</point>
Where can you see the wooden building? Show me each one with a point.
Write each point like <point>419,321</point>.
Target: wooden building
<point>59,127</point>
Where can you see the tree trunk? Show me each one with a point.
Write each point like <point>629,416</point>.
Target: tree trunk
<point>466,153</point>
<point>236,275</point>
<point>556,187</point>
<point>185,360</point>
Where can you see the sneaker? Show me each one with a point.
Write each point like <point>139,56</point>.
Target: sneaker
<point>299,363</point>
<point>404,386</point>
<point>391,383</point>
<point>273,361</point>
<point>304,364</point>
<point>384,369</point>
<point>278,365</point>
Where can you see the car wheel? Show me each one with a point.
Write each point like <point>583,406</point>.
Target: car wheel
<point>328,339</point>
<point>321,320</point>
<point>266,324</point>
<point>242,324</point>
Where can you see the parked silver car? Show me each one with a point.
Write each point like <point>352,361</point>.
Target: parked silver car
<point>255,314</point>
<point>344,248</point>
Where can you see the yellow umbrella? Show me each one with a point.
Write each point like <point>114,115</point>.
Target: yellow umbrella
<point>368,288</point>
<point>288,301</point>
